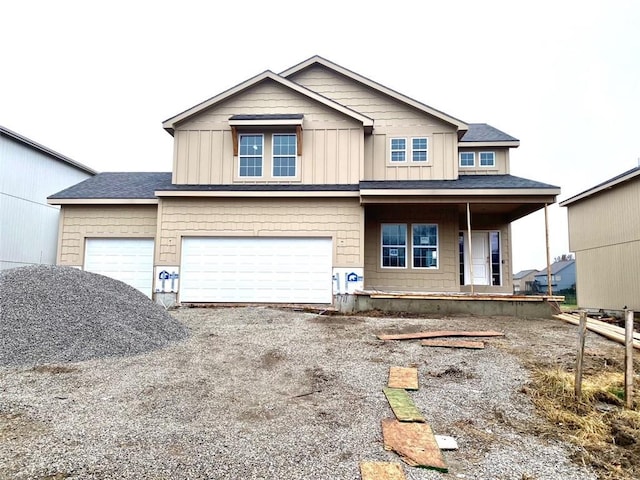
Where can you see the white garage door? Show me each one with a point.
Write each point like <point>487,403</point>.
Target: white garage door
<point>129,260</point>
<point>273,270</point>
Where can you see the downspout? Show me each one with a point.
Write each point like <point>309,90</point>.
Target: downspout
<point>546,231</point>
<point>469,249</point>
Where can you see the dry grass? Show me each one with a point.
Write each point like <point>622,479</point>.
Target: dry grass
<point>608,436</point>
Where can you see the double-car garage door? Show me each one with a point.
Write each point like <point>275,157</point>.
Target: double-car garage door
<point>250,269</point>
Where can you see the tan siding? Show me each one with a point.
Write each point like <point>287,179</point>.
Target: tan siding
<point>341,219</point>
<point>81,222</point>
<point>501,167</point>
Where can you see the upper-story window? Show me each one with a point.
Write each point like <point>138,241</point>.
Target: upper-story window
<point>284,155</point>
<point>398,149</point>
<point>419,149</point>
<point>251,149</point>
<point>467,159</point>
<point>487,159</point>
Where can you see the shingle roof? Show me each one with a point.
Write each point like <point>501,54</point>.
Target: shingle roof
<point>463,182</point>
<point>523,273</point>
<point>556,267</point>
<point>117,185</point>
<point>262,187</point>
<point>481,132</point>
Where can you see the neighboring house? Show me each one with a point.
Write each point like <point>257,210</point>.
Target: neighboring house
<point>523,281</point>
<point>29,172</point>
<point>604,234</point>
<point>563,277</point>
<point>297,186</point>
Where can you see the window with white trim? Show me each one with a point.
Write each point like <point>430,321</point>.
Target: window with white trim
<point>467,159</point>
<point>419,149</point>
<point>394,245</point>
<point>425,245</point>
<point>284,155</point>
<point>487,159</point>
<point>251,149</point>
<point>398,150</point>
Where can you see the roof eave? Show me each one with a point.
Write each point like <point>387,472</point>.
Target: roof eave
<point>102,201</point>
<point>600,188</point>
<point>510,144</point>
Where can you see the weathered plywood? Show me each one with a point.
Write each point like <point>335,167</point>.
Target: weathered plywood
<point>381,471</point>
<point>441,333</point>
<point>403,407</point>
<point>403,377</point>
<point>453,344</point>
<point>414,442</point>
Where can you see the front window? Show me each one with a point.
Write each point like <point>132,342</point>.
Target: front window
<point>419,149</point>
<point>398,149</point>
<point>284,155</point>
<point>467,159</point>
<point>250,153</point>
<point>425,246</point>
<point>394,245</point>
<point>487,159</point>
<point>496,263</point>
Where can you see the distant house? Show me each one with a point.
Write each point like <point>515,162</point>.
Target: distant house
<point>523,281</point>
<point>604,234</point>
<point>563,276</point>
<point>29,172</point>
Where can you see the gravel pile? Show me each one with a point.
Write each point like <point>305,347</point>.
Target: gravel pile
<point>51,314</point>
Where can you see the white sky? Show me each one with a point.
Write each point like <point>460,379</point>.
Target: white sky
<point>93,80</point>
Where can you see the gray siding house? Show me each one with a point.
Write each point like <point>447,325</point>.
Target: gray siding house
<point>29,172</point>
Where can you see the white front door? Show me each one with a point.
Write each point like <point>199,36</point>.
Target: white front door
<point>480,258</point>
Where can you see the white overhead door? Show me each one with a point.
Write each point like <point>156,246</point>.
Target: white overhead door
<point>129,260</point>
<point>250,269</point>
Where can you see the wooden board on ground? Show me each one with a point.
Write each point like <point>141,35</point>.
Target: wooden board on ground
<point>403,377</point>
<point>381,471</point>
<point>446,442</point>
<point>414,442</point>
<point>441,333</point>
<point>403,407</point>
<point>452,344</point>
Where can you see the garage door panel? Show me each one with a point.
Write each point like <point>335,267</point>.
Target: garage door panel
<point>216,269</point>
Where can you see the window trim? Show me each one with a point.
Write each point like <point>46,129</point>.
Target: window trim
<point>437,247</point>
<point>240,156</point>
<point>409,246</point>
<point>473,154</point>
<point>382,246</point>
<point>294,156</point>
<point>425,150</point>
<point>403,150</point>
<point>487,166</point>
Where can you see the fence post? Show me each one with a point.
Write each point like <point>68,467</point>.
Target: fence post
<point>628,358</point>
<point>582,329</point>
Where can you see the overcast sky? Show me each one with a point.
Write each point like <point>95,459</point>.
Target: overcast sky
<point>94,80</point>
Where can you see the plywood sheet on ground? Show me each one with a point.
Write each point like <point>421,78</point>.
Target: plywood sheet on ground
<point>414,442</point>
<point>453,344</point>
<point>381,471</point>
<point>403,377</point>
<point>440,333</point>
<point>403,407</point>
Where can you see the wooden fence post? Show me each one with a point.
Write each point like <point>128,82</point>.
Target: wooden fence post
<point>582,329</point>
<point>628,358</point>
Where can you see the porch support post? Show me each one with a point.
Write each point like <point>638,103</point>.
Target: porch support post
<point>469,248</point>
<point>546,232</point>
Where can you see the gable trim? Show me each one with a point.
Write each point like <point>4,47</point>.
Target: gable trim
<point>603,186</point>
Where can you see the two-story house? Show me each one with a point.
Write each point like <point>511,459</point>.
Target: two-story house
<point>297,186</point>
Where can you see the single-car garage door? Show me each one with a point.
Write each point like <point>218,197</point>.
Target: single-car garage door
<point>256,269</point>
<point>129,260</point>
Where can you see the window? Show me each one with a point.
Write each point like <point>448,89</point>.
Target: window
<point>394,245</point>
<point>398,149</point>
<point>496,277</point>
<point>284,155</point>
<point>487,159</point>
<point>467,159</point>
<point>425,246</point>
<point>419,149</point>
<point>251,147</point>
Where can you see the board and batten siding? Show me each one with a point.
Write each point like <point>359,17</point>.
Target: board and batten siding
<point>340,219</point>
<point>392,119</point>
<point>333,144</point>
<point>78,223</point>
<point>604,234</point>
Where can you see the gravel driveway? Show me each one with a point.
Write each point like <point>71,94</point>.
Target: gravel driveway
<point>259,393</point>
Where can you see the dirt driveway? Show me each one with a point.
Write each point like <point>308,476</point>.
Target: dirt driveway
<point>261,393</point>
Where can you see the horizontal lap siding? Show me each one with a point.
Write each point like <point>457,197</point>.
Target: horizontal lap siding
<point>340,219</point>
<point>81,222</point>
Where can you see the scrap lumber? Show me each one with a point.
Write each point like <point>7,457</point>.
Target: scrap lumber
<point>381,471</point>
<point>440,333</point>
<point>446,442</point>
<point>453,344</point>
<point>414,442</point>
<point>403,407</point>
<point>607,330</point>
<point>403,377</point>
